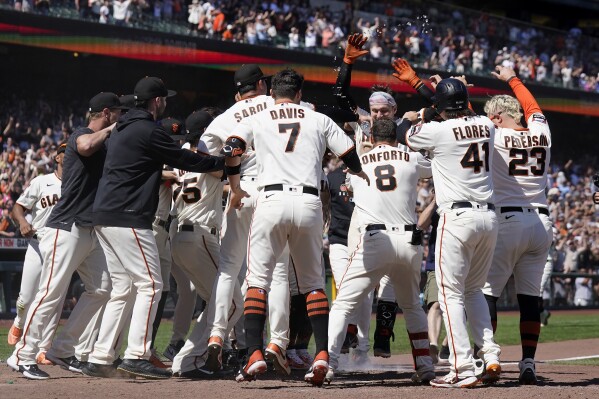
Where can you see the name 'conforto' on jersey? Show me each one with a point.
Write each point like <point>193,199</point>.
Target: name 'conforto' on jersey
<point>391,155</point>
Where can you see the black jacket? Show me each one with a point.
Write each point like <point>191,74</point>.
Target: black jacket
<point>137,150</point>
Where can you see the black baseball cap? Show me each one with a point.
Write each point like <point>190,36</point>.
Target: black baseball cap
<point>104,100</point>
<point>196,123</point>
<point>128,101</point>
<point>151,87</point>
<point>61,148</point>
<point>172,126</point>
<point>248,74</point>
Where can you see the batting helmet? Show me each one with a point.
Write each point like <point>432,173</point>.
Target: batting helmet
<point>450,95</point>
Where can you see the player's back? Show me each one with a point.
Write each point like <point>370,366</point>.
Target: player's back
<point>221,127</point>
<point>391,196</point>
<point>520,163</point>
<point>290,141</point>
<point>198,200</point>
<point>461,161</point>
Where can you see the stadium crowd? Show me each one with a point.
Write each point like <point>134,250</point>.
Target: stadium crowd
<point>432,36</point>
<point>33,127</point>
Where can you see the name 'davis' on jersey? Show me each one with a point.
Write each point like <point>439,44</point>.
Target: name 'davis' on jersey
<point>252,110</point>
<point>287,113</point>
<point>390,155</point>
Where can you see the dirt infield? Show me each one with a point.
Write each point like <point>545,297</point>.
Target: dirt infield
<point>385,378</point>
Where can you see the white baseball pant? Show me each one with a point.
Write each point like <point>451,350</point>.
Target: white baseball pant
<point>64,252</point>
<point>523,242</point>
<point>378,253</point>
<point>134,267</point>
<point>30,280</point>
<point>466,240</point>
<point>164,253</point>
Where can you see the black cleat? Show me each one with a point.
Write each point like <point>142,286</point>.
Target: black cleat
<point>143,368</point>
<point>70,363</point>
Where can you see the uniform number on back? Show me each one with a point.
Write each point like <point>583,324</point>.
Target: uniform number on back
<point>472,158</point>
<point>385,178</point>
<point>520,158</point>
<point>286,128</point>
<point>190,192</point>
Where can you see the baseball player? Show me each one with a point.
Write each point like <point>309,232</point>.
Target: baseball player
<point>39,198</point>
<point>461,147</point>
<point>225,302</point>
<point>520,164</point>
<point>123,212</point>
<point>290,141</point>
<point>381,104</point>
<point>389,243</point>
<point>195,243</point>
<point>70,244</point>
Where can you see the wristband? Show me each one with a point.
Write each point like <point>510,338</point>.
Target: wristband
<point>232,170</point>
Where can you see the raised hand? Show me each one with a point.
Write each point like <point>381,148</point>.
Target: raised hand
<point>504,73</point>
<point>404,72</point>
<point>353,51</point>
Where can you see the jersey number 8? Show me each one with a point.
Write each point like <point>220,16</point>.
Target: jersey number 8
<point>385,178</point>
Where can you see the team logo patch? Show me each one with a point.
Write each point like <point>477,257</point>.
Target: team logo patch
<point>539,118</point>
<point>175,128</point>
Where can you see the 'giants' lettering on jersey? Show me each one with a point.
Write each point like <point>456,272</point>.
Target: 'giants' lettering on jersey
<point>287,113</point>
<point>249,111</point>
<point>389,155</point>
<point>526,141</point>
<point>471,132</point>
<point>48,201</point>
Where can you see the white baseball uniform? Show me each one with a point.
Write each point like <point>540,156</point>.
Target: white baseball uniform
<point>69,244</point>
<point>165,195</point>
<point>236,224</point>
<point>39,197</point>
<point>462,159</point>
<point>196,248</point>
<point>520,165</point>
<point>386,213</point>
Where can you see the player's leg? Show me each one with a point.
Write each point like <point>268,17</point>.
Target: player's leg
<point>138,255</point>
<point>267,240</point>
<point>452,263</point>
<point>386,313</point>
<point>63,251</point>
<point>186,299</point>
<point>477,309</point>
<point>30,278</point>
<point>362,273</point>
<point>434,317</point>
<point>164,253</point>
<point>278,315</point>
<point>78,336</point>
<point>404,273</point>
<point>234,241</point>
<point>528,274</point>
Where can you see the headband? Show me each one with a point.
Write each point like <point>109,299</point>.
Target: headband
<point>382,98</point>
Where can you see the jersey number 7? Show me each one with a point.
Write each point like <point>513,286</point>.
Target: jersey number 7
<point>295,129</point>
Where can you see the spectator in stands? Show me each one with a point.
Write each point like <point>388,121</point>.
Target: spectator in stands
<point>294,41</point>
<point>228,33</point>
<point>195,11</point>
<point>310,39</point>
<point>566,73</point>
<point>583,295</point>
<point>478,58</point>
<point>104,12</point>
<point>8,227</point>
<point>119,11</point>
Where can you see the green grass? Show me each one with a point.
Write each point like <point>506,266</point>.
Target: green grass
<point>582,362</point>
<point>561,327</point>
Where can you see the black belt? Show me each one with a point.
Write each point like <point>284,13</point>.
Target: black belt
<point>279,187</point>
<point>190,227</point>
<point>466,204</point>
<point>161,223</point>
<point>505,209</point>
<point>407,227</point>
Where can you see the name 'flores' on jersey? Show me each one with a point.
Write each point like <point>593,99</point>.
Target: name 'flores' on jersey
<point>520,164</point>
<point>391,196</point>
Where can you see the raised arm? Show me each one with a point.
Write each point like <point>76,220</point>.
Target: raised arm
<point>524,96</point>
<point>405,73</point>
<point>353,51</point>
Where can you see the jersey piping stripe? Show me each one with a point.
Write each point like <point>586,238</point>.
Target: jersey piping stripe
<point>445,297</point>
<point>143,255</point>
<point>209,254</point>
<point>351,258</point>
<point>353,147</point>
<point>295,273</point>
<point>41,300</point>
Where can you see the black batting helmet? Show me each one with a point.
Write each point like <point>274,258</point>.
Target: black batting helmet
<point>450,95</point>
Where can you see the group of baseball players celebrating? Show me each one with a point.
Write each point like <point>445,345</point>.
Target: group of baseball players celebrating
<point>128,205</point>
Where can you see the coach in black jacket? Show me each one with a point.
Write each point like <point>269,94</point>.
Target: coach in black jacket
<point>123,212</point>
